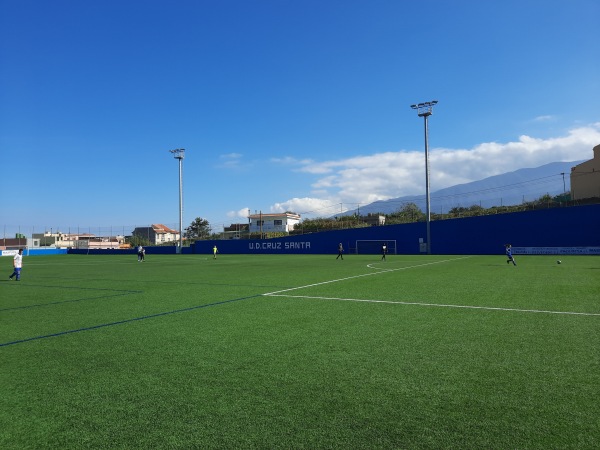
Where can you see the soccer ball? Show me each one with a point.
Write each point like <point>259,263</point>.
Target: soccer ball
<point>558,262</point>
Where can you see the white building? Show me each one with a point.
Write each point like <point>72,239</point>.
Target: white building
<point>268,223</point>
<point>157,234</point>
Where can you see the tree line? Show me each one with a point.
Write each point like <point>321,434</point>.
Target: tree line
<point>410,213</point>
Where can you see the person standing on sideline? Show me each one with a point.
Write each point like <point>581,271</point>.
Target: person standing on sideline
<point>17,264</point>
<point>383,251</point>
<point>215,251</point>
<point>340,251</point>
<point>141,252</point>
<point>509,255</point>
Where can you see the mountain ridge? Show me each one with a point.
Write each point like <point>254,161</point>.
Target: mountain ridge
<point>510,188</point>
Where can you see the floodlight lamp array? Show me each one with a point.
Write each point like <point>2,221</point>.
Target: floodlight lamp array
<point>425,108</point>
<point>178,153</point>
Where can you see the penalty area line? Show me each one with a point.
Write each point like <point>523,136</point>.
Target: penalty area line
<point>365,275</point>
<point>373,265</point>
<point>439,305</point>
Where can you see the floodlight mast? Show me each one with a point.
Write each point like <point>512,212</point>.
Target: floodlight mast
<point>425,110</point>
<point>179,154</point>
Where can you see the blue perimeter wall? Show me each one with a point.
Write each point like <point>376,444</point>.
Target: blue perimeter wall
<point>576,226</point>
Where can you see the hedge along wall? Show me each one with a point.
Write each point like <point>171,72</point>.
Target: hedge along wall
<point>577,226</point>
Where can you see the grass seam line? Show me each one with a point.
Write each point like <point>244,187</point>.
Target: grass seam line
<point>121,322</point>
<point>41,305</point>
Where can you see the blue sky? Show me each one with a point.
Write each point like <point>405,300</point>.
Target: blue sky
<point>280,105</point>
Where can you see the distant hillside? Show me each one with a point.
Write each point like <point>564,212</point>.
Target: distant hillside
<point>510,188</point>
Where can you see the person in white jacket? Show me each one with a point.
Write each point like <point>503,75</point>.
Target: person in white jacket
<point>17,264</point>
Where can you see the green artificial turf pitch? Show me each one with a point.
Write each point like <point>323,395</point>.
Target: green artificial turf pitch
<point>300,351</point>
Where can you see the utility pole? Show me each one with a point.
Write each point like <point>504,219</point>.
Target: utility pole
<point>179,154</point>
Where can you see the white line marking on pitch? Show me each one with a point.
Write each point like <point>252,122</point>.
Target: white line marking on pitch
<point>440,305</point>
<point>365,275</point>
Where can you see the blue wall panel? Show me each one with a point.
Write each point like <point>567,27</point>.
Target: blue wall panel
<point>45,251</point>
<point>323,242</point>
<point>558,227</point>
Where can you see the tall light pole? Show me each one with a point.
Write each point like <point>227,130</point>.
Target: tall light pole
<point>425,110</point>
<point>179,154</point>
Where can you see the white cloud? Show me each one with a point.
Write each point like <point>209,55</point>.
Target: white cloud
<point>231,156</point>
<point>308,206</point>
<point>241,213</point>
<point>547,118</point>
<point>231,161</point>
<point>365,179</point>
<point>288,160</point>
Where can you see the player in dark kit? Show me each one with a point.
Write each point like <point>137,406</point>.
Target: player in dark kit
<point>509,255</point>
<point>340,251</point>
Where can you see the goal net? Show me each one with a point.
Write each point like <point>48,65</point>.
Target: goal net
<point>370,247</point>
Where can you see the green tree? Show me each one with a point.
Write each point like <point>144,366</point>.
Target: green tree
<point>198,229</point>
<point>476,210</point>
<point>458,211</point>
<point>409,213</point>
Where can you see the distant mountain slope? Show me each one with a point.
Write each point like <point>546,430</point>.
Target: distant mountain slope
<point>510,188</point>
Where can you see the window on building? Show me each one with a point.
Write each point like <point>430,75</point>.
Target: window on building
<point>278,223</point>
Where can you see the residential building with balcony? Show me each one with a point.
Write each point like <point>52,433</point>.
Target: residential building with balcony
<point>269,223</point>
<point>157,234</point>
